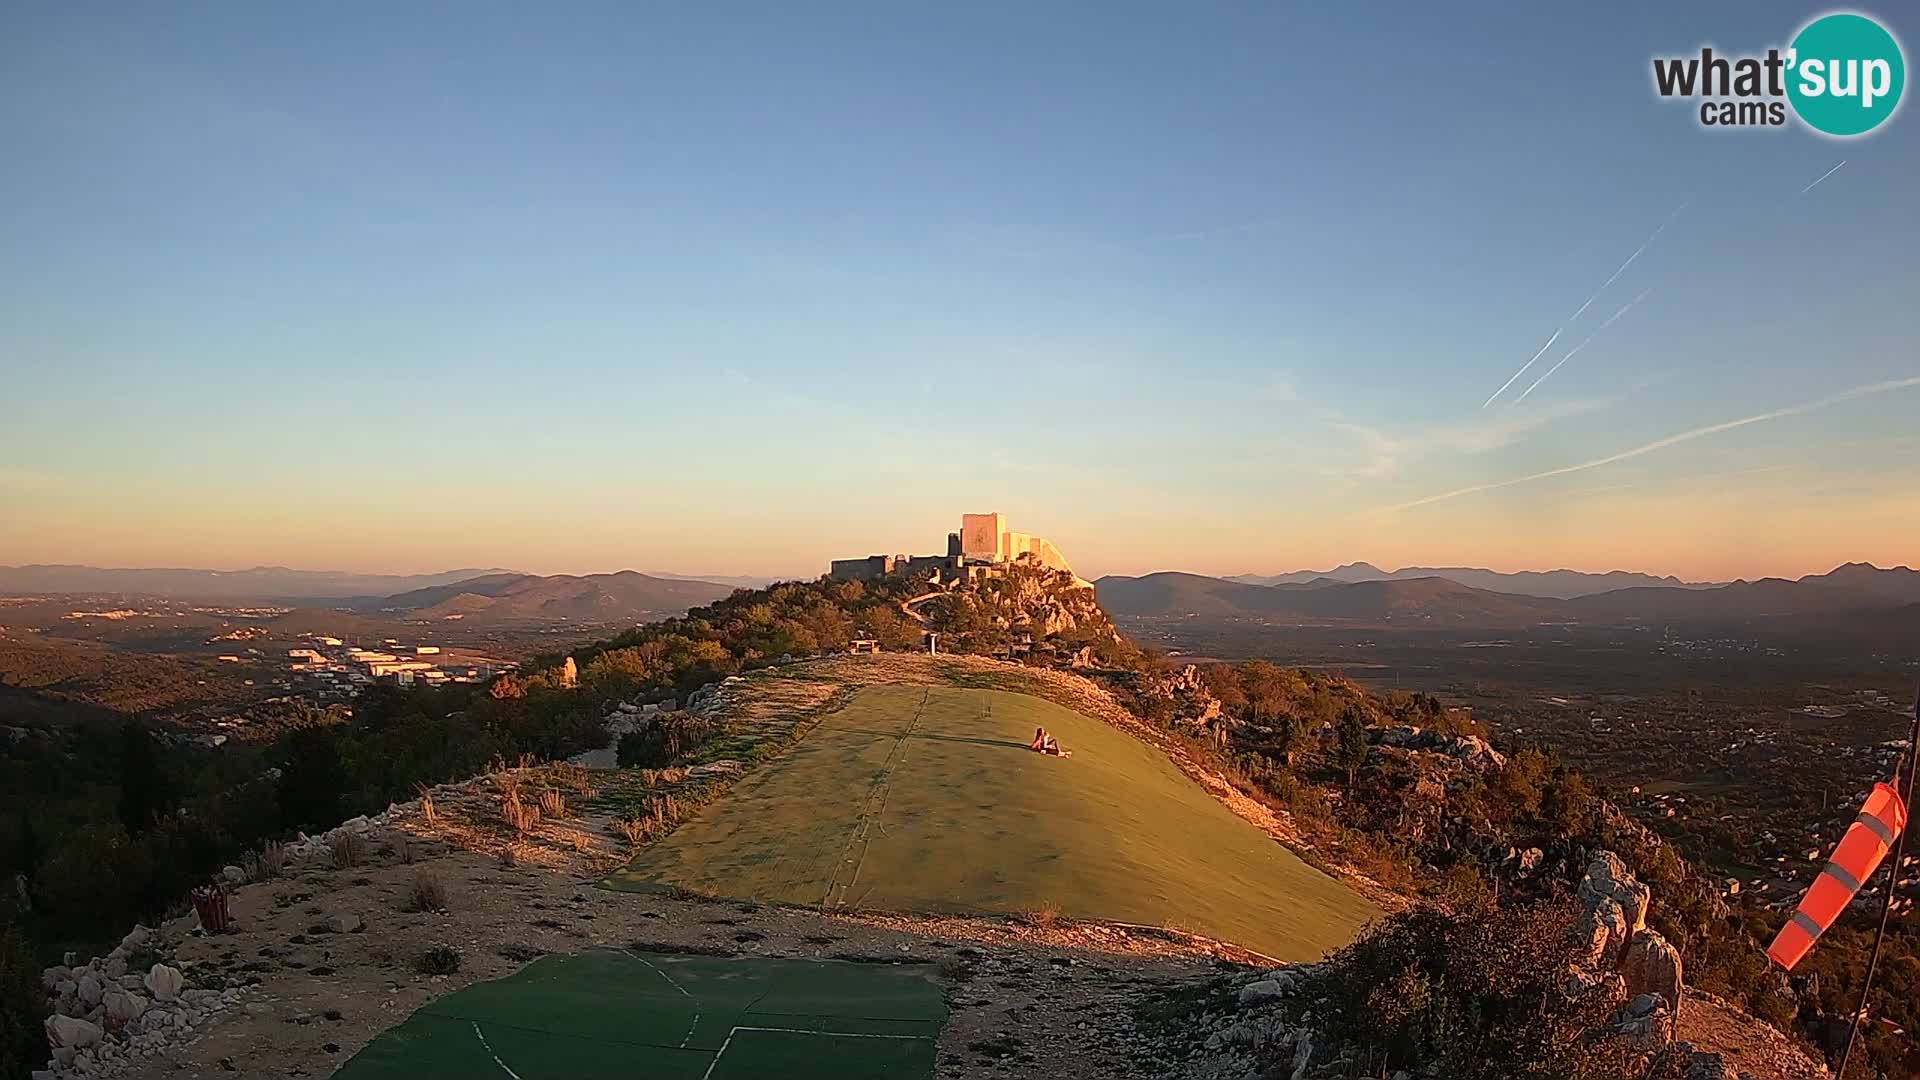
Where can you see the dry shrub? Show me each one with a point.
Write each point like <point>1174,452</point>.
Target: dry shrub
<point>427,893</point>
<point>347,850</point>
<point>427,811</point>
<point>582,842</point>
<point>1044,916</point>
<point>649,777</point>
<point>636,830</point>
<point>553,804</point>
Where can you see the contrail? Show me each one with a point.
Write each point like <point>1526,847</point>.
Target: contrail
<point>1523,369</point>
<point>1624,308</point>
<point>1595,295</point>
<point>1673,440</point>
<point>1822,176</point>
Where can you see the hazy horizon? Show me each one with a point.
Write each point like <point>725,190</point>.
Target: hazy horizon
<point>579,290</point>
<point>802,574</point>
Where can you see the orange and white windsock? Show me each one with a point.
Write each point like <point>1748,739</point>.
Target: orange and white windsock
<point>1867,842</point>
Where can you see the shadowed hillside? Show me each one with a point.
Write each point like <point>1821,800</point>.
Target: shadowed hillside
<point>1434,599</point>
<point>627,595</point>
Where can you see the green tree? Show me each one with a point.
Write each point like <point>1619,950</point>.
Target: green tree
<point>1350,746</point>
<point>146,794</point>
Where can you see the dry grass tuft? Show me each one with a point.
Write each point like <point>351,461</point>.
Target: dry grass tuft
<point>521,817</point>
<point>575,778</point>
<point>427,893</point>
<point>347,850</point>
<point>553,804</point>
<point>267,863</point>
<point>427,811</point>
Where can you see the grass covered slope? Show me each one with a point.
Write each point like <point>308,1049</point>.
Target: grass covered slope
<point>917,798</point>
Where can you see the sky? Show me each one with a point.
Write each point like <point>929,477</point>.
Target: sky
<point>739,288</point>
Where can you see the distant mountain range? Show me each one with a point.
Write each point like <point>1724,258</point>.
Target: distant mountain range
<point>1439,600</point>
<point>1557,584</point>
<point>1323,599</point>
<point>738,581</point>
<point>627,596</point>
<point>279,583</point>
<point>258,583</point>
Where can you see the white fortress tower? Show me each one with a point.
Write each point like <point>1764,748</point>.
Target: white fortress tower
<point>985,538</point>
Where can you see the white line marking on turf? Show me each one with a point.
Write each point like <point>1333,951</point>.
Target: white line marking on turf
<point>491,1054</point>
<point>728,1041</point>
<point>688,1037</point>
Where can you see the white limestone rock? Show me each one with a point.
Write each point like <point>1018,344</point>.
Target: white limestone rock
<point>165,982</point>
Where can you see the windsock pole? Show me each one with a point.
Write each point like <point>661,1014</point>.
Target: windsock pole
<point>1912,761</point>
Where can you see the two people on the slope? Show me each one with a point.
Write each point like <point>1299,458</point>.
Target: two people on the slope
<point>1044,743</point>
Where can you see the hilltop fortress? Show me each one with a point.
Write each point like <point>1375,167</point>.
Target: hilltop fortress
<point>983,545</point>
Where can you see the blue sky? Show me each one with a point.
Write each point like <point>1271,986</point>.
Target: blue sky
<point>583,287</point>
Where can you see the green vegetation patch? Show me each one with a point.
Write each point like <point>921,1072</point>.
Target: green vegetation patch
<point>605,1013</point>
<point>927,799</point>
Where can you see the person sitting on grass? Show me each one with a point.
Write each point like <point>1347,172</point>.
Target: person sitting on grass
<point>1044,742</point>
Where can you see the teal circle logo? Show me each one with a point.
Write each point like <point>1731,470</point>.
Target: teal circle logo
<point>1845,74</point>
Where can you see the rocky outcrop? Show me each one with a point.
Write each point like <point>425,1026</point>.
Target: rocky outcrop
<point>107,1018</point>
<point>1468,749</point>
<point>1652,966</point>
<point>1613,907</point>
<point>1193,702</point>
<point>1638,972</point>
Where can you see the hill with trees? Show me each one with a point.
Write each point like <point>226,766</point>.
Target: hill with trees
<point>1398,790</point>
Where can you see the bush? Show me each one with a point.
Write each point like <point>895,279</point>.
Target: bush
<point>94,877</point>
<point>313,780</point>
<point>439,960</point>
<point>23,1006</point>
<point>1475,996</point>
<point>664,742</point>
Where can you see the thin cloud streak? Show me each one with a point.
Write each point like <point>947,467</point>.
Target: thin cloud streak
<point>1637,252</point>
<point>1822,176</point>
<point>1523,369</point>
<point>1624,308</point>
<point>1671,440</point>
<point>1595,295</point>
